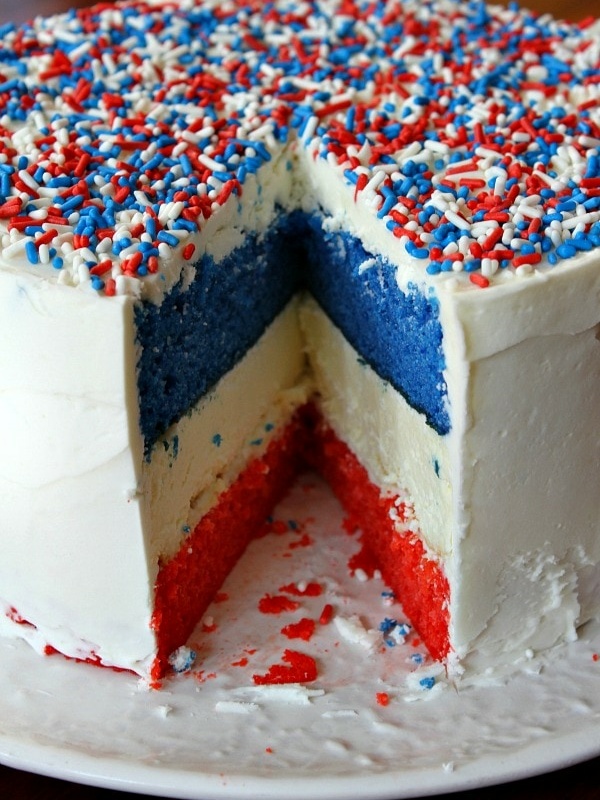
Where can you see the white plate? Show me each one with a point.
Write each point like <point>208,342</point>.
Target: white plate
<point>212,733</point>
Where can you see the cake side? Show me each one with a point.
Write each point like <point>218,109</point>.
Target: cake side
<point>70,474</point>
<point>527,523</point>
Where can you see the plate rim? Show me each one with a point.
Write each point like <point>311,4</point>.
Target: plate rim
<point>69,764</point>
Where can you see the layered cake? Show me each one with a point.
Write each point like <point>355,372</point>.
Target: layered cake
<point>239,238</point>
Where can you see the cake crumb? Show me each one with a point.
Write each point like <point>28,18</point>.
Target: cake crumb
<point>235,707</point>
<point>182,659</point>
<point>352,630</point>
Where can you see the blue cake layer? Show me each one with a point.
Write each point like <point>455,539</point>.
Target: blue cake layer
<point>199,333</point>
<point>397,333</point>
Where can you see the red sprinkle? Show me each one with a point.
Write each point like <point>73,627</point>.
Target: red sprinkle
<point>188,251</point>
<point>326,614</point>
<point>479,280</point>
<point>383,698</point>
<point>527,258</point>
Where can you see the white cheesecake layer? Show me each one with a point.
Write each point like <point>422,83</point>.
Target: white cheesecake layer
<point>403,455</point>
<point>201,454</point>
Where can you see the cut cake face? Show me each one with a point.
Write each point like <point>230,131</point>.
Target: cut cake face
<point>237,239</point>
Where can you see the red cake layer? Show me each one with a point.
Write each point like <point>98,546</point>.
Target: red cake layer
<point>187,583</point>
<point>417,580</point>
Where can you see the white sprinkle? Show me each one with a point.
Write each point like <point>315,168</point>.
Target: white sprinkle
<point>309,129</point>
<point>15,249</point>
<point>489,267</point>
<point>458,220</point>
<point>436,147</point>
<point>211,163</point>
<point>523,270</point>
<point>582,219</point>
<point>377,179</point>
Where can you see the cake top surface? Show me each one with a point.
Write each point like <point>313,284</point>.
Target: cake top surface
<point>471,132</point>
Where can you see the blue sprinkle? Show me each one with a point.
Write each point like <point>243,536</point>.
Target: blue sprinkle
<point>566,250</point>
<point>31,252</point>
<point>168,238</point>
<point>582,242</point>
<point>417,252</point>
<point>217,439</point>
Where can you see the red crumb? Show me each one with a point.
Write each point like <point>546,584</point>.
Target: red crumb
<point>241,663</point>
<point>202,676</point>
<point>279,527</point>
<point>326,614</point>
<point>416,642</point>
<point>221,597</point>
<point>268,750</point>
<point>301,669</point>
<point>304,541</point>
<point>276,604</point>
<point>209,628</point>
<point>303,629</point>
<point>383,698</point>
<point>310,590</point>
<point>596,657</point>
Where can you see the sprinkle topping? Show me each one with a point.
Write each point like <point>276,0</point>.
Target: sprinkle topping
<point>471,132</point>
